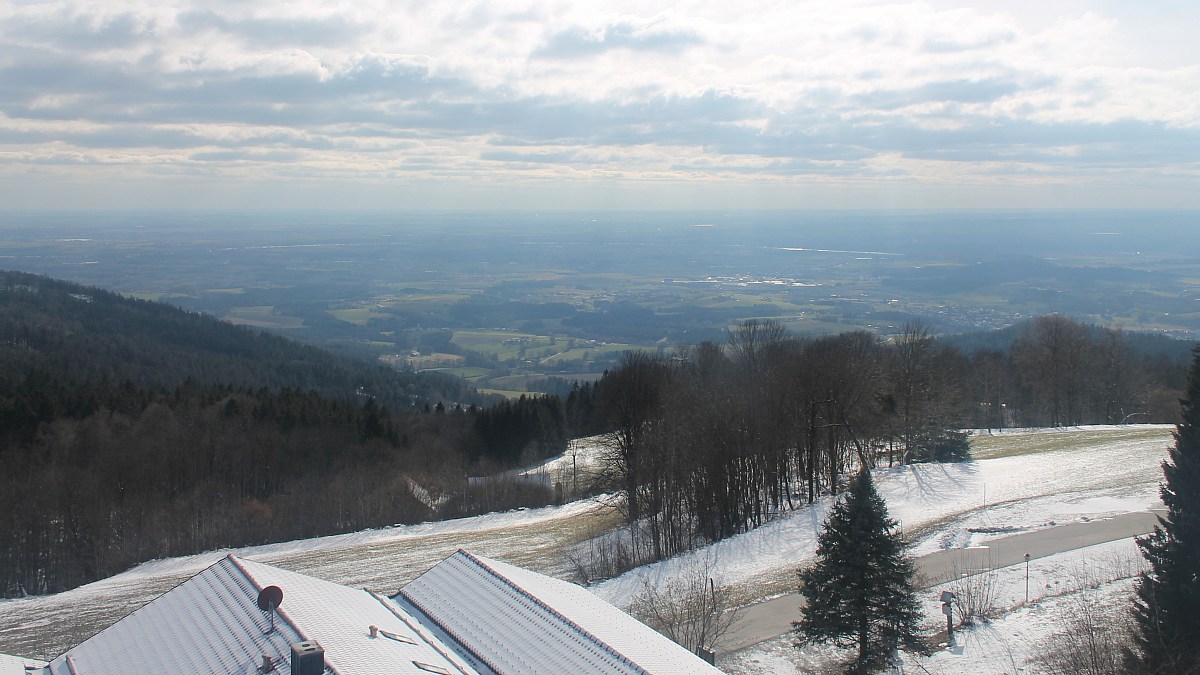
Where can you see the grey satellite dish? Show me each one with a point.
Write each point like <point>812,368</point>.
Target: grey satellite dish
<point>269,599</point>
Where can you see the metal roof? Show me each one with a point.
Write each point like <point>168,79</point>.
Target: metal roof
<point>517,621</point>
<point>16,665</point>
<point>466,616</point>
<point>340,617</point>
<point>211,623</point>
<point>208,624</point>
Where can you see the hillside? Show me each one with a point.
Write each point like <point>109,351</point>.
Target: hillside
<point>87,334</point>
<point>131,430</point>
<point>1178,353</point>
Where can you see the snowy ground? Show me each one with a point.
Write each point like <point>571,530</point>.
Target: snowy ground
<point>1005,644</point>
<point>1020,481</point>
<point>381,560</point>
<point>576,468</point>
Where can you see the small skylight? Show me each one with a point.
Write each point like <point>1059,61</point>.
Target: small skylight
<point>397,637</point>
<point>430,668</point>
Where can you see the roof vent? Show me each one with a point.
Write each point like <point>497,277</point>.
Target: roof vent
<point>308,658</point>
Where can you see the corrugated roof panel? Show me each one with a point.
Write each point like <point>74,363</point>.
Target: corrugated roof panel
<point>637,642</point>
<point>15,665</point>
<point>211,623</point>
<point>466,616</point>
<point>340,618</point>
<point>518,621</point>
<point>208,624</point>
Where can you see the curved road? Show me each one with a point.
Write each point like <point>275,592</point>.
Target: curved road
<point>774,617</point>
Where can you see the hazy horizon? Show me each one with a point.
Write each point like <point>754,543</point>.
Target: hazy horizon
<point>956,269</point>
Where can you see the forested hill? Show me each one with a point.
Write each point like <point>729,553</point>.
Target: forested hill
<point>132,430</point>
<point>1176,353</point>
<point>82,334</point>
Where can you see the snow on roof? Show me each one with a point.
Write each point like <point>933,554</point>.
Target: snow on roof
<point>340,617</point>
<point>208,624</point>
<point>211,623</point>
<point>517,621</point>
<point>466,616</point>
<point>15,665</point>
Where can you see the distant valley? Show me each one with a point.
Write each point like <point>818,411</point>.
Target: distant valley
<point>524,301</point>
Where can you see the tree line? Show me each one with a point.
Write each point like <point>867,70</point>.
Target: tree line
<point>100,476</point>
<point>137,475</point>
<point>1060,372</point>
<point>713,440</point>
<point>131,430</point>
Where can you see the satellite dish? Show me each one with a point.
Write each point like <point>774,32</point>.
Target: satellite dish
<point>269,598</point>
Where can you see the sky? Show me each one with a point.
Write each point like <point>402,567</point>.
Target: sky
<point>554,104</point>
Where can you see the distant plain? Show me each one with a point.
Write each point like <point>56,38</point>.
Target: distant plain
<point>519,297</point>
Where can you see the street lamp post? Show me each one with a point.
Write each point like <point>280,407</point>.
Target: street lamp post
<point>1027,578</point>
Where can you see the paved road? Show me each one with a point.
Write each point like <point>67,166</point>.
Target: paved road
<point>774,617</point>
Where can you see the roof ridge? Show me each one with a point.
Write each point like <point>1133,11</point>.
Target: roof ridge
<point>434,643</point>
<point>66,654</point>
<point>453,634</point>
<point>282,614</point>
<point>604,646</point>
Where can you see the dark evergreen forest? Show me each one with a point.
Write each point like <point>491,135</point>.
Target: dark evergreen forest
<point>132,430</point>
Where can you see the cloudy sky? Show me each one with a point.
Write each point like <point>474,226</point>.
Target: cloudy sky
<point>628,104</point>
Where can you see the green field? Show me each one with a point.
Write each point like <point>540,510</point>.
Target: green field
<point>500,343</point>
<point>540,350</point>
<point>504,392</point>
<point>158,297</point>
<point>470,373</point>
<point>262,316</point>
<point>1017,443</point>
<point>580,353</point>
<point>359,316</point>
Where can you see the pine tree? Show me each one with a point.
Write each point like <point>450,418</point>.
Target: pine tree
<point>1167,604</point>
<point>859,592</point>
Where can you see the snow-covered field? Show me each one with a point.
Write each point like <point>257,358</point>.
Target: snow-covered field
<point>1023,481</point>
<point>1020,481</point>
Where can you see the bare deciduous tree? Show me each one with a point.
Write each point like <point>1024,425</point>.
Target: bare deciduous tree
<point>692,608</point>
<point>1090,641</point>
<point>1051,356</point>
<point>976,590</point>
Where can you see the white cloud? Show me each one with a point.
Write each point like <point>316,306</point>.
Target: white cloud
<point>838,95</point>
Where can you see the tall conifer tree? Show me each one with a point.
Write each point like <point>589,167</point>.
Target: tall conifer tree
<point>859,592</point>
<point>1167,605</point>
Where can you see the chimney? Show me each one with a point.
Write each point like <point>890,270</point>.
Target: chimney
<point>268,663</point>
<point>308,658</point>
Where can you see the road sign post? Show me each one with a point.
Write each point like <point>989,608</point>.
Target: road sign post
<point>1027,578</point>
